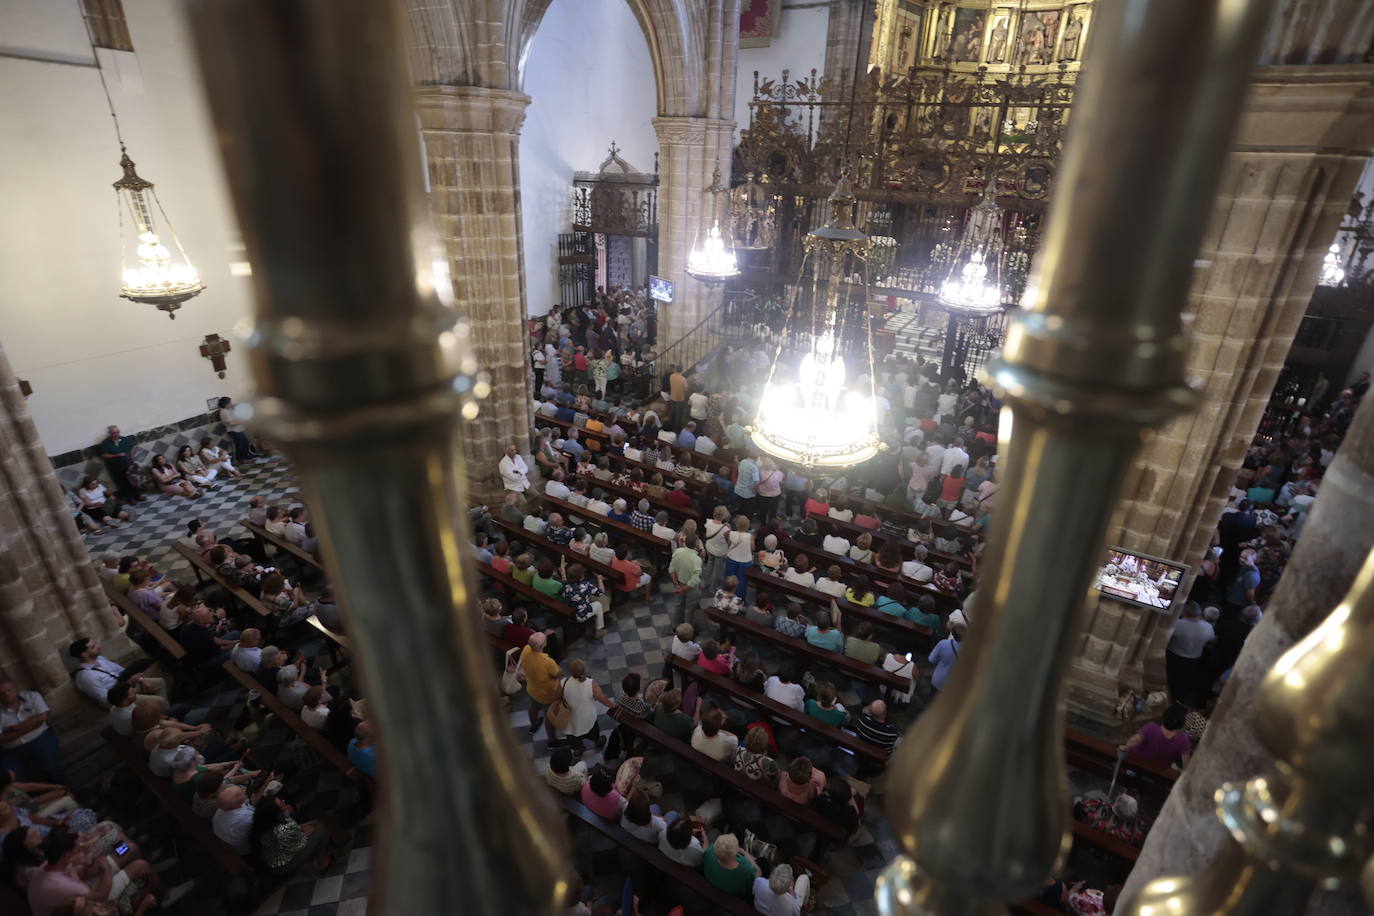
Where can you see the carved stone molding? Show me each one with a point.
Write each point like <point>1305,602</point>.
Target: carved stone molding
<point>470,109</point>
<point>688,131</point>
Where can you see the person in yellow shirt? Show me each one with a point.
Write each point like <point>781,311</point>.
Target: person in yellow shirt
<point>541,680</point>
<point>677,397</point>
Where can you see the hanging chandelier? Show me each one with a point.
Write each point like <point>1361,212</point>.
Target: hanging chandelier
<point>1333,274</point>
<point>823,413</point>
<point>753,214</point>
<point>713,262</point>
<point>973,285</point>
<point>157,276</point>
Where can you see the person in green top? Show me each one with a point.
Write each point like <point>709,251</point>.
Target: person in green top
<point>823,706</point>
<point>730,868</point>
<point>895,601</point>
<point>543,580</point>
<point>924,614</point>
<point>825,632</point>
<point>671,720</point>
<point>685,570</point>
<point>861,646</point>
<point>523,570</point>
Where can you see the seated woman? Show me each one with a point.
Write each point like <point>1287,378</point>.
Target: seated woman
<point>169,479</point>
<point>948,580</point>
<point>752,758</point>
<point>818,503</point>
<point>800,572</point>
<point>713,659</point>
<point>727,598</point>
<point>599,794</point>
<point>500,557</point>
<point>889,557</point>
<point>586,595</point>
<point>656,488</point>
<point>839,508</point>
<point>581,541</point>
<point>749,672</point>
<point>771,558</point>
<point>194,470</point>
<point>639,819</point>
<point>861,592</point>
<point>189,770</point>
<point>282,843</point>
<point>97,505</point>
<point>730,868</point>
<point>284,599</point>
<point>862,550</point>
<point>601,550</point>
<point>217,459</point>
<point>1119,819</point>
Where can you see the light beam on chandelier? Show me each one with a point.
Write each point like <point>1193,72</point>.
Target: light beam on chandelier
<point>712,262</point>
<point>974,283</point>
<point>825,418</point>
<point>157,276</point>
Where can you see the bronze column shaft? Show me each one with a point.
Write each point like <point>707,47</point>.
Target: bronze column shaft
<point>362,368</point>
<point>978,796</point>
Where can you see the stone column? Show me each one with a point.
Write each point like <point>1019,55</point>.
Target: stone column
<point>847,33</point>
<point>49,594</point>
<point>1335,541</point>
<point>1299,151</point>
<point>688,152</point>
<point>471,136</point>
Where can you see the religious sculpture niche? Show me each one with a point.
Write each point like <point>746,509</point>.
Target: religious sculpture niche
<point>1073,37</point>
<point>967,42</point>
<point>940,36</point>
<point>997,43</point>
<point>1038,33</point>
<point>616,199</point>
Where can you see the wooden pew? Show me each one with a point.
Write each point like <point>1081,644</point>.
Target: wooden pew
<point>165,643</point>
<point>582,432</point>
<point>1108,844</point>
<point>649,470</point>
<point>282,545</point>
<point>312,736</point>
<point>601,522</point>
<point>539,542</point>
<point>762,581</point>
<point>632,498</point>
<point>689,878</point>
<point>851,532</point>
<point>571,628</point>
<point>881,579</point>
<point>1097,755</point>
<point>802,815</point>
<point>807,653</point>
<point>197,828</point>
<point>719,683</point>
<point>204,570</point>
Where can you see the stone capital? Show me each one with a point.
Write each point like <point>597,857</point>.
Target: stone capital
<point>470,109</point>
<point>673,131</point>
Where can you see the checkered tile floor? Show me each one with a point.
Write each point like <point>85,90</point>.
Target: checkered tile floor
<point>637,639</point>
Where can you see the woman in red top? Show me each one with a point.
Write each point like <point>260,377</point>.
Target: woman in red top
<point>714,660</point>
<point>818,503</point>
<point>952,488</point>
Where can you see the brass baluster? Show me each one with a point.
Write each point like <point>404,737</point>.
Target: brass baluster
<point>977,792</point>
<point>1301,826</point>
<point>362,366</point>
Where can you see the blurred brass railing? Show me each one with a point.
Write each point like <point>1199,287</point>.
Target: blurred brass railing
<point>359,362</point>
<point>977,793</point>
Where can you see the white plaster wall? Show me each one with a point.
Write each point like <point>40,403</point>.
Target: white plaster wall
<point>93,358</point>
<point>590,80</point>
<point>799,46</point>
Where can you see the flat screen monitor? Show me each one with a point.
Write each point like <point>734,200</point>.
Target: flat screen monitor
<point>660,290</point>
<point>1148,581</point>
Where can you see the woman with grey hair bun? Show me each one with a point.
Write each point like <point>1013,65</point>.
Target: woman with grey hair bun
<point>779,895</point>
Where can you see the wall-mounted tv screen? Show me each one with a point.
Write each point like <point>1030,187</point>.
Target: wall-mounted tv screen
<point>660,289</point>
<point>1147,581</point>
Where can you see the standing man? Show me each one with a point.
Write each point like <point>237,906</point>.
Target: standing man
<point>1183,656</point>
<point>117,453</point>
<point>677,397</point>
<point>514,471</point>
<point>27,745</point>
<point>685,569</point>
<point>746,484</point>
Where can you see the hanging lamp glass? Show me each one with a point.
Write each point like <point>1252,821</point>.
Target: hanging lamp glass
<point>1333,274</point>
<point>152,274</point>
<point>712,262</point>
<point>973,285</point>
<point>817,409</point>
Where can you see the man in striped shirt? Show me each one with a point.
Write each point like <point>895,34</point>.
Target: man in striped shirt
<point>873,727</point>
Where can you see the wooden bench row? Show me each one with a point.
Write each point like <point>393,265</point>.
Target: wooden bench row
<point>660,546</point>
<point>570,628</point>
<point>763,581</point>
<point>880,578</point>
<point>850,531</point>
<point>205,571</point>
<point>632,498</point>
<point>283,547</point>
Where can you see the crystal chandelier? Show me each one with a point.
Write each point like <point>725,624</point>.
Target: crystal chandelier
<point>974,283</point>
<point>157,277</point>
<point>823,416</point>
<point>753,214</point>
<point>712,262</point>
<point>1332,272</point>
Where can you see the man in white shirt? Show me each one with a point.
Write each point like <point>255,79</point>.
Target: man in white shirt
<point>27,745</point>
<point>781,688</point>
<point>1183,655</point>
<point>916,568</point>
<point>935,455</point>
<point>96,674</point>
<point>234,819</point>
<point>556,487</point>
<point>535,524</point>
<point>954,456</point>
<point>705,445</point>
<point>668,436</point>
<point>247,655</point>
<point>696,406</point>
<point>633,453</point>
<point>514,471</point>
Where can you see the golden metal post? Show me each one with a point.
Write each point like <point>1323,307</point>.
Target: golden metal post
<point>362,367</point>
<point>1302,826</point>
<point>977,791</point>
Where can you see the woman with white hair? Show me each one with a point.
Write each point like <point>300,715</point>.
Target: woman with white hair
<point>729,867</point>
<point>601,550</point>
<point>779,895</point>
<point>1119,819</point>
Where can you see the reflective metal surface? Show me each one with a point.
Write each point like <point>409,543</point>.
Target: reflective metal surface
<point>977,792</point>
<point>360,364</point>
<point>1301,827</point>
